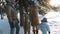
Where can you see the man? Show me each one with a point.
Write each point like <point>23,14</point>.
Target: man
<point>12,17</point>
<point>44,26</point>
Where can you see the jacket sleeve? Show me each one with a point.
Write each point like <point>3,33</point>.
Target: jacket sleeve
<point>48,28</point>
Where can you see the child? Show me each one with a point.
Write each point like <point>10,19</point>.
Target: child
<point>44,26</point>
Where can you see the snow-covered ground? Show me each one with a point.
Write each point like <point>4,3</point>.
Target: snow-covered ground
<point>53,21</point>
<point>5,28</point>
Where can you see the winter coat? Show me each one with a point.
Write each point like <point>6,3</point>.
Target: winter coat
<point>44,27</point>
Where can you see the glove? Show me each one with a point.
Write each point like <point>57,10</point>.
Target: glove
<point>49,32</point>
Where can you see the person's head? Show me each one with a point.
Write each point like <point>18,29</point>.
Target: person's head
<point>44,20</point>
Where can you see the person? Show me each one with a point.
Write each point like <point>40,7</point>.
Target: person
<point>44,27</point>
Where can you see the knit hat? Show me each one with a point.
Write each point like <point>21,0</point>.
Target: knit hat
<point>44,20</point>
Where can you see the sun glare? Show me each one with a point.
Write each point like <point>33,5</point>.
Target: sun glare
<point>55,3</point>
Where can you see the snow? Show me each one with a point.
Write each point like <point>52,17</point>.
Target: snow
<point>5,28</point>
<point>53,21</point>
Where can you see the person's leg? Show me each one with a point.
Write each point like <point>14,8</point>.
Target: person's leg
<point>29,28</point>
<point>11,28</point>
<point>17,27</point>
<point>36,30</point>
<point>25,31</point>
<point>33,29</point>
